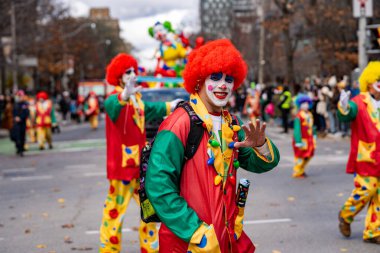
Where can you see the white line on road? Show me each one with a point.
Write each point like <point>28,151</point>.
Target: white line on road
<point>249,222</point>
<point>266,221</point>
<point>31,178</point>
<point>80,166</point>
<point>96,232</point>
<point>18,170</point>
<point>95,174</point>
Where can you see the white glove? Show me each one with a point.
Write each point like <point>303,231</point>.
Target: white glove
<point>174,103</point>
<point>129,88</point>
<point>300,145</point>
<point>344,98</point>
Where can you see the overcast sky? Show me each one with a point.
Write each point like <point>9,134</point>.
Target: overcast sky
<point>136,16</point>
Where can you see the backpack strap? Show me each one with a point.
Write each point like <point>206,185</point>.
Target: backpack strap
<point>196,131</point>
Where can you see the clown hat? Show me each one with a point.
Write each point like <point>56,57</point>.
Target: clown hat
<point>215,56</point>
<point>117,67</point>
<point>370,75</point>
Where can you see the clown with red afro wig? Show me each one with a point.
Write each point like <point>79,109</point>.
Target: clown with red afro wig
<point>118,66</point>
<point>180,177</point>
<point>216,56</point>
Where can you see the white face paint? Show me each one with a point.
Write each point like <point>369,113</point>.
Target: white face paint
<point>219,88</point>
<point>304,106</point>
<point>129,77</point>
<point>376,86</point>
<point>160,32</point>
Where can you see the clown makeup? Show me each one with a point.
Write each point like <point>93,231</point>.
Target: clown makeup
<point>219,88</point>
<point>304,106</point>
<point>129,77</point>
<point>376,86</point>
<point>159,32</point>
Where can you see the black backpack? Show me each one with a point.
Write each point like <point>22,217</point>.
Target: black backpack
<point>147,212</point>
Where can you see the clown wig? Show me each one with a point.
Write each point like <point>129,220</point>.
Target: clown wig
<point>215,56</point>
<point>303,98</point>
<point>117,67</point>
<point>370,75</point>
<point>42,95</point>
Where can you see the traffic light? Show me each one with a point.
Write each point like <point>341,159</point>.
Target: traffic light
<point>373,39</point>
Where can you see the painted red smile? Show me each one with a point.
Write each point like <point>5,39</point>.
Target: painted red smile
<point>221,95</point>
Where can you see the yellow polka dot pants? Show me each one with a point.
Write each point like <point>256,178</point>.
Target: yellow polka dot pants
<point>119,195</point>
<point>299,166</point>
<point>367,190</point>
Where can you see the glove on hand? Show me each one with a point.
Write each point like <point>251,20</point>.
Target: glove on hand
<point>344,98</point>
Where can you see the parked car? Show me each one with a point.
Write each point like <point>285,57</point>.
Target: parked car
<point>161,94</point>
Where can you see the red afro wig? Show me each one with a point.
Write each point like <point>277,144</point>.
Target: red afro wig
<point>117,67</point>
<point>215,56</point>
<point>42,95</point>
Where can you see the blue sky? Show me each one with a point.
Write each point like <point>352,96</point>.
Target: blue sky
<point>136,16</point>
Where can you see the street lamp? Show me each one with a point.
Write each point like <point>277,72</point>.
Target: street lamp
<point>14,43</point>
<point>69,35</point>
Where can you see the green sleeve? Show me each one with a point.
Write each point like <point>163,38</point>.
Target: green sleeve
<point>297,130</point>
<point>155,110</point>
<point>113,107</point>
<point>162,186</point>
<point>52,115</point>
<point>352,112</point>
<point>250,160</point>
<point>85,107</point>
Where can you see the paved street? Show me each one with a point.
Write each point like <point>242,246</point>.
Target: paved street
<point>51,201</point>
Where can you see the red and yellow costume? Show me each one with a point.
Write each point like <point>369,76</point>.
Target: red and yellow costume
<point>92,110</point>
<point>303,138</point>
<point>45,117</point>
<point>364,158</point>
<point>125,133</point>
<point>196,199</point>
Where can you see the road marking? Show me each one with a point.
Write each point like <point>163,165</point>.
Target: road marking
<point>16,170</point>
<point>96,232</point>
<point>95,174</point>
<point>80,166</point>
<point>249,222</point>
<point>32,178</point>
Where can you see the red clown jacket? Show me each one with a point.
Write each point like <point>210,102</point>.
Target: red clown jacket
<point>364,156</point>
<point>303,133</point>
<point>125,133</point>
<point>185,194</point>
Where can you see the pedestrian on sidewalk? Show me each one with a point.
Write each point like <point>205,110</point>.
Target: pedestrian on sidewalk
<point>304,137</point>
<point>20,115</point>
<point>196,199</point>
<point>126,114</point>
<point>363,112</point>
<point>285,106</point>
